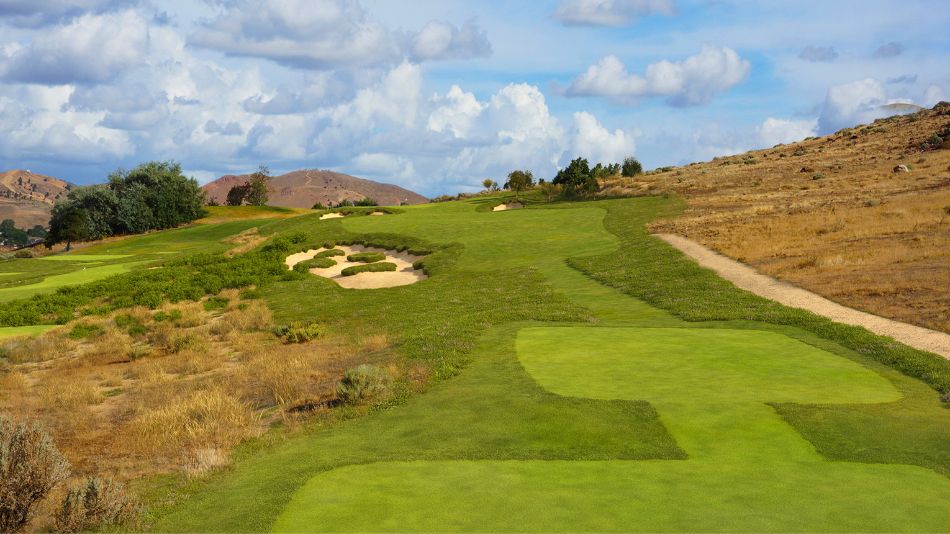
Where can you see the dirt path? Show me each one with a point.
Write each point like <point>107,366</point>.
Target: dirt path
<point>747,278</point>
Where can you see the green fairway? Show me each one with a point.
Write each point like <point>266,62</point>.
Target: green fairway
<point>84,257</point>
<point>619,496</point>
<point>566,402</point>
<point>51,283</point>
<point>17,331</point>
<point>709,386</point>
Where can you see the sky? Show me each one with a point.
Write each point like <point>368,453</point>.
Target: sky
<point>437,96</point>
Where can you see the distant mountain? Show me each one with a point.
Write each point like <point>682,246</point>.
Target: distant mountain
<point>304,188</point>
<point>27,197</point>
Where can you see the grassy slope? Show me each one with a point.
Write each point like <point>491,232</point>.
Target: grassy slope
<point>17,331</point>
<point>510,269</point>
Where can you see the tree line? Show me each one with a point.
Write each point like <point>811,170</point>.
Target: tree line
<point>577,179</point>
<point>152,196</point>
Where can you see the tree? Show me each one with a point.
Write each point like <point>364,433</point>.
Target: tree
<point>257,187</point>
<point>69,223</point>
<point>36,231</point>
<point>100,206</point>
<point>576,178</point>
<point>631,167</point>
<point>518,181</point>
<point>366,201</point>
<point>486,183</point>
<point>237,194</point>
<point>157,195</point>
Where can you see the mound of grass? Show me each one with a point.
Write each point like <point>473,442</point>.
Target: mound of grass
<point>298,332</point>
<point>364,383</point>
<point>85,331</point>
<point>366,257</point>
<point>216,303</point>
<point>369,268</point>
<point>330,253</point>
<point>315,263</point>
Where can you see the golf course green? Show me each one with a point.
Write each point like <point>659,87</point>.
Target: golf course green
<point>592,379</point>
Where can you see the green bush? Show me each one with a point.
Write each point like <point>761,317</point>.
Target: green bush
<point>173,315</point>
<point>23,253</point>
<point>216,303</point>
<point>315,263</point>
<point>250,294</point>
<point>366,257</point>
<point>364,383</point>
<point>132,325</point>
<point>83,331</point>
<point>298,332</point>
<point>330,253</point>
<point>369,268</point>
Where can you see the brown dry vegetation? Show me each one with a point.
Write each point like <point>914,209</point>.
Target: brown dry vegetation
<point>144,394</point>
<point>831,214</point>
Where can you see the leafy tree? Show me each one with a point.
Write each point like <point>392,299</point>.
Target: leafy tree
<point>36,231</point>
<point>366,201</point>
<point>576,178</point>
<point>11,234</point>
<point>487,183</point>
<point>69,223</point>
<point>257,187</point>
<point>518,181</point>
<point>237,194</point>
<point>319,206</point>
<point>172,198</point>
<point>631,167</point>
<point>100,205</point>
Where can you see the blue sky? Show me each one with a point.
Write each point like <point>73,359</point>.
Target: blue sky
<point>438,95</point>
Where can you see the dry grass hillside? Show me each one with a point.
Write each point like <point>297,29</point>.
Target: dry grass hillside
<point>27,197</point>
<point>304,188</point>
<point>835,214</point>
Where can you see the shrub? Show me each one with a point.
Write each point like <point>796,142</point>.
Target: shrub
<point>315,263</point>
<point>817,176</point>
<point>631,167</point>
<point>216,303</point>
<point>330,253</point>
<point>363,383</point>
<point>133,326</point>
<point>369,268</point>
<point>96,503</point>
<point>251,294</point>
<point>30,467</point>
<point>800,151</point>
<point>366,257</point>
<point>172,315</point>
<point>298,332</point>
<point>366,201</point>
<point>23,253</point>
<point>84,330</point>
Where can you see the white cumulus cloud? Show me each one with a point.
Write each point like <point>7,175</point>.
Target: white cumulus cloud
<point>598,144</point>
<point>782,131</point>
<point>693,81</point>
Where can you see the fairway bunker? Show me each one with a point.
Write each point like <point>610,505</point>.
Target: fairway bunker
<point>508,206</point>
<point>404,274</point>
<point>333,215</point>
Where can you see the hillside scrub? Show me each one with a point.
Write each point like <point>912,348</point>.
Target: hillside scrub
<point>380,267</point>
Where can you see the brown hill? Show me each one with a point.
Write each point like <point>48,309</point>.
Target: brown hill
<point>304,188</point>
<point>835,214</point>
<point>27,197</point>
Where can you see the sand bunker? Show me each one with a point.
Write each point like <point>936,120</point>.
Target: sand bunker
<point>403,275</point>
<point>333,215</point>
<point>378,213</point>
<point>508,206</point>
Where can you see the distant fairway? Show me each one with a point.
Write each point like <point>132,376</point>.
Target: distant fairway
<point>80,276</point>
<point>17,331</point>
